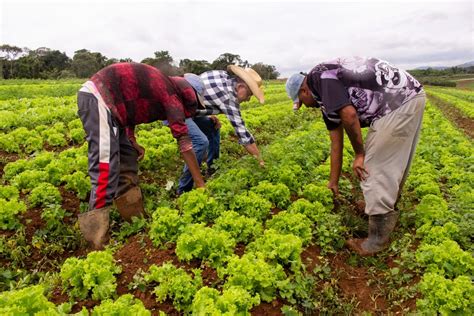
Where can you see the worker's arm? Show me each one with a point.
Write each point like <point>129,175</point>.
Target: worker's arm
<point>351,124</point>
<point>190,159</point>
<point>337,144</point>
<point>253,150</point>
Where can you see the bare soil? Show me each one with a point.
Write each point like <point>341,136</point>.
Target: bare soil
<point>354,282</point>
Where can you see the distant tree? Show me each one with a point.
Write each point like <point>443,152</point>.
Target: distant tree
<point>10,53</point>
<point>85,63</point>
<point>111,61</point>
<point>3,66</point>
<point>53,63</point>
<point>28,66</point>
<point>221,62</point>
<point>267,72</point>
<point>194,66</point>
<point>162,61</point>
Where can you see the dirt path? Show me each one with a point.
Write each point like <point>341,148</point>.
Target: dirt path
<point>454,115</point>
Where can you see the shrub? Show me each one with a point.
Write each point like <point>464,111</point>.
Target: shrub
<point>198,206</point>
<point>92,276</point>
<point>251,205</point>
<point>124,305</point>
<point>278,194</point>
<point>282,248</point>
<point>446,259</point>
<point>318,193</point>
<point>253,274</point>
<point>174,283</point>
<point>296,224</point>
<point>204,243</point>
<point>27,301</point>
<point>241,228</point>
<point>448,297</point>
<point>166,225</point>
<point>8,213</point>
<point>233,301</point>
<point>44,194</point>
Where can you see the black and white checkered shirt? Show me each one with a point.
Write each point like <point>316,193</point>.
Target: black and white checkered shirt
<point>220,97</point>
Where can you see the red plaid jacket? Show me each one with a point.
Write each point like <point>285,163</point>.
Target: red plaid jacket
<point>137,93</point>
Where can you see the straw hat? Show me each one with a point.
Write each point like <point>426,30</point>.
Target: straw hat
<point>251,78</point>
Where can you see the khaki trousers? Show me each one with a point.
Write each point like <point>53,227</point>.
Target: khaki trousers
<point>389,149</point>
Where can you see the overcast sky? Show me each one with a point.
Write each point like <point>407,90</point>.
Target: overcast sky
<point>293,36</point>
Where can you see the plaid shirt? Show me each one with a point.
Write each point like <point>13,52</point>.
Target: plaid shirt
<point>137,93</point>
<point>220,97</point>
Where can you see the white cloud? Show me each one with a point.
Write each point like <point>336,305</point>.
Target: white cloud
<point>292,36</point>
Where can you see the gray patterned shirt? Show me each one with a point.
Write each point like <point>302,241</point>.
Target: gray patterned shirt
<point>373,86</point>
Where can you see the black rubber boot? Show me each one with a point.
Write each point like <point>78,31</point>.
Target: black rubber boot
<point>380,227</point>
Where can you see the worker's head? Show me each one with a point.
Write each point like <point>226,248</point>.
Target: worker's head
<point>248,83</point>
<point>298,90</point>
<point>243,91</point>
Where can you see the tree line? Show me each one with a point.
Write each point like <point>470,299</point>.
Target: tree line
<point>46,63</point>
<point>447,72</point>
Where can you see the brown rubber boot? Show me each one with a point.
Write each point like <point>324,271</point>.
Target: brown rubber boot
<point>380,227</point>
<point>94,225</point>
<point>130,204</point>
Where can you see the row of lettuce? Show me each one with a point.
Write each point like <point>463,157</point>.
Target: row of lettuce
<point>29,124</point>
<point>442,178</point>
<point>462,100</point>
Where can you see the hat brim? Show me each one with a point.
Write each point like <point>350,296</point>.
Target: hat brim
<point>242,74</point>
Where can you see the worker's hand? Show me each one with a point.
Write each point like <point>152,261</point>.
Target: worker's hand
<point>217,123</point>
<point>334,187</point>
<point>139,149</point>
<point>261,163</point>
<point>359,168</point>
<point>200,184</point>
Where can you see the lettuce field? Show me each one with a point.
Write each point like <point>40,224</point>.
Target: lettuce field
<point>257,241</point>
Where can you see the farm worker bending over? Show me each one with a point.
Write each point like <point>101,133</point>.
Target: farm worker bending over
<point>223,91</point>
<point>111,104</point>
<point>367,92</point>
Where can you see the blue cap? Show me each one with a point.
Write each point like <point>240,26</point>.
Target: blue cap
<point>195,81</point>
<point>198,85</point>
<point>293,86</point>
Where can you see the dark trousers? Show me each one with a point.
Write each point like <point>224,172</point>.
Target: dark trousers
<point>206,140</point>
<point>113,166</point>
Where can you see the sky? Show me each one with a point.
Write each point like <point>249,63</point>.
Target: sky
<point>292,35</point>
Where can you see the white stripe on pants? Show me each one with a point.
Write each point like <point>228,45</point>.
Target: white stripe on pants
<point>389,148</point>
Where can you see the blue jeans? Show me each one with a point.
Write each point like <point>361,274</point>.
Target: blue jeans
<point>206,139</point>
